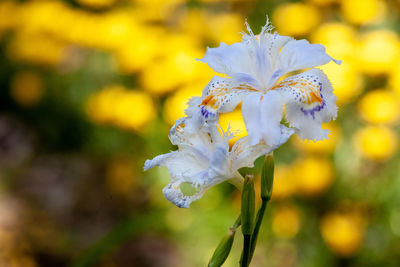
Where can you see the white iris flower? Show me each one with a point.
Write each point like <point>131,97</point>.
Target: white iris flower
<point>203,159</point>
<point>255,68</point>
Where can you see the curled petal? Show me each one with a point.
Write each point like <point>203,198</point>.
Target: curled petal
<point>173,193</point>
<point>309,101</point>
<point>183,166</point>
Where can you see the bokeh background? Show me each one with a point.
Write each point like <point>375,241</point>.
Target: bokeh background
<point>90,88</point>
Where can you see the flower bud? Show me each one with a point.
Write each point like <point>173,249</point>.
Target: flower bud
<point>267,178</point>
<point>248,205</point>
<point>223,249</point>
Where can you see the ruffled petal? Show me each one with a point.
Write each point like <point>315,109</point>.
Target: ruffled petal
<point>173,193</point>
<point>300,54</point>
<point>184,167</point>
<point>309,101</point>
<point>201,161</point>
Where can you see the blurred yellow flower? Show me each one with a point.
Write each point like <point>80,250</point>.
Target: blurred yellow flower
<point>97,3</point>
<point>343,232</point>
<point>394,79</point>
<point>323,146</point>
<point>235,120</point>
<point>378,52</point>
<point>176,104</point>
<point>175,66</point>
<point>363,11</point>
<point>225,27</point>
<point>284,183</point>
<point>313,175</point>
<point>126,108</point>
<point>6,21</point>
<point>41,50</point>
<point>295,19</point>
<point>379,106</point>
<point>376,142</point>
<point>338,38</point>
<point>286,221</point>
<point>193,23</point>
<point>27,88</point>
<point>346,80</point>
<point>323,2</point>
<point>138,50</point>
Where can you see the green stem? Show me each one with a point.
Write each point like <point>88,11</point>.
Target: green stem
<point>254,236</point>
<point>246,251</point>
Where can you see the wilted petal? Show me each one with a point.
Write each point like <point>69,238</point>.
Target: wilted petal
<point>309,101</point>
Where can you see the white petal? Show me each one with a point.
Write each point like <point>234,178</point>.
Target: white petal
<point>243,154</point>
<point>251,111</point>
<point>271,115</point>
<point>173,193</point>
<point>275,43</point>
<point>219,165</point>
<point>221,95</point>
<point>228,59</point>
<point>193,105</point>
<point>198,142</point>
<point>300,54</point>
<point>182,165</point>
<point>262,115</point>
<point>309,101</point>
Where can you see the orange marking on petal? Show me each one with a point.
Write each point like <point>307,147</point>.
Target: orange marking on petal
<point>246,87</point>
<point>315,97</point>
<point>210,101</point>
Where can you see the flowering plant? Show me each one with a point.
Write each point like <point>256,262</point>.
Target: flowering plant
<point>257,74</point>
